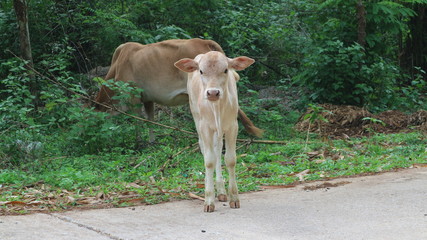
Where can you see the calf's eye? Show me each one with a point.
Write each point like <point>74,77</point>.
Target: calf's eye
<point>226,71</point>
<point>201,72</point>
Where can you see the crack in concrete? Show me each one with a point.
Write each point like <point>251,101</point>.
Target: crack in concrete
<point>70,220</point>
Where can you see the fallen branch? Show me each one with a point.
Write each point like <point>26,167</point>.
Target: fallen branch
<point>194,196</point>
<point>243,145</point>
<point>262,141</point>
<point>140,163</point>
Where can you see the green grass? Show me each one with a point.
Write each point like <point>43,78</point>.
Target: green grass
<point>121,176</point>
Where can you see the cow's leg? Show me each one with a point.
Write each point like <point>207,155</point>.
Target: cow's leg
<point>220,187</point>
<point>209,155</point>
<point>230,161</point>
<point>138,112</point>
<point>138,130</point>
<point>149,110</point>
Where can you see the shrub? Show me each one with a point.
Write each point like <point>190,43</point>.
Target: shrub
<point>340,74</point>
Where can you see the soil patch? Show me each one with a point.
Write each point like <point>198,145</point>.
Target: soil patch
<point>325,185</point>
<point>345,121</point>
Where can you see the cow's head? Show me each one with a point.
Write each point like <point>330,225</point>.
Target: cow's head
<point>215,70</point>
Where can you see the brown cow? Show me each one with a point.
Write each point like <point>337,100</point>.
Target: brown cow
<point>151,67</point>
<point>212,90</point>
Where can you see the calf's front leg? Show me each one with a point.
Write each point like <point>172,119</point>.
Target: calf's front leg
<point>209,185</point>
<point>210,159</point>
<point>230,161</point>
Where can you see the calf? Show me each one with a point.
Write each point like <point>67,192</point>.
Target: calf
<point>212,92</point>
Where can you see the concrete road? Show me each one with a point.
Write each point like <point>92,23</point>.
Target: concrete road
<point>386,206</point>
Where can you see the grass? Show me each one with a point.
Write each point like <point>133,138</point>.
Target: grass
<point>150,174</point>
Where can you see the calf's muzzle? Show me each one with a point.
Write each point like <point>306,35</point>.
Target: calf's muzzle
<point>213,94</point>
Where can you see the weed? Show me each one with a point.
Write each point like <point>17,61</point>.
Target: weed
<point>315,115</point>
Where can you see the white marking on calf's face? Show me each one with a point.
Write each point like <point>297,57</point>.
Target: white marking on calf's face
<point>213,69</point>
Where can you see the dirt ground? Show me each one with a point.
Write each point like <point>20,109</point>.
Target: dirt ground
<point>351,121</point>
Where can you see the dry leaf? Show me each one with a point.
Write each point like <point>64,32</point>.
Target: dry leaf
<point>87,200</point>
<point>153,181</point>
<point>133,200</point>
<point>172,193</point>
<point>128,193</point>
<point>302,174</point>
<point>13,203</point>
<point>286,163</point>
<point>313,154</point>
<point>419,165</point>
<point>276,186</point>
<point>35,203</point>
<point>20,203</point>
<point>71,199</point>
<point>32,191</point>
<point>128,196</point>
<point>336,157</point>
<point>134,185</point>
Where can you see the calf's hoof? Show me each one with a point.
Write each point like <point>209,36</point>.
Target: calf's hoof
<point>222,198</point>
<point>209,208</point>
<point>234,204</point>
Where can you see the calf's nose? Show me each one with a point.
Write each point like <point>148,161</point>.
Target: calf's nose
<point>213,94</point>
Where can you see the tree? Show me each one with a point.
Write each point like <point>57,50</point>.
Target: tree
<point>361,20</point>
<point>20,7</point>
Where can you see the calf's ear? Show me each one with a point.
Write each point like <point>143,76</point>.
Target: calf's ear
<point>240,63</point>
<point>187,65</point>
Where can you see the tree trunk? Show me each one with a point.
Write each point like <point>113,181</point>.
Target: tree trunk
<point>415,50</point>
<point>361,23</point>
<point>20,7</point>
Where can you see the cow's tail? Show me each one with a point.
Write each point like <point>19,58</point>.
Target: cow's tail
<point>249,126</point>
<point>104,96</point>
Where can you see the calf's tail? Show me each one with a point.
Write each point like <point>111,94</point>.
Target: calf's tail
<point>249,126</point>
